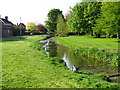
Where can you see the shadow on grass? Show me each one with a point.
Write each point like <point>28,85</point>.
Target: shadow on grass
<point>13,39</point>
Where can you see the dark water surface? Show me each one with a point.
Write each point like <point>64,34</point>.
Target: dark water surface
<point>74,60</point>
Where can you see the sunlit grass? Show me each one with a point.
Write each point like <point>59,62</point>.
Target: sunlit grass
<point>25,67</point>
<point>85,41</point>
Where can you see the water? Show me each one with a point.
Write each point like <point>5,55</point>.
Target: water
<point>76,61</point>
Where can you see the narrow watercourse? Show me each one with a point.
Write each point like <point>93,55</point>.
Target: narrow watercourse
<point>76,62</point>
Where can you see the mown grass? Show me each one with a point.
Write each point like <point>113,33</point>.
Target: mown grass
<point>110,44</point>
<point>25,65</point>
<point>99,48</point>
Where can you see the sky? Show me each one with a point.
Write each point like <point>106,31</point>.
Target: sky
<point>32,10</point>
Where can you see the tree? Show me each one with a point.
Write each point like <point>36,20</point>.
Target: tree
<point>51,20</point>
<point>91,14</point>
<point>62,27</point>
<point>31,26</point>
<point>109,20</point>
<point>77,23</point>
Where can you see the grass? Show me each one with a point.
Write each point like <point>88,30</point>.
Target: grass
<point>100,48</point>
<point>110,44</point>
<point>25,65</point>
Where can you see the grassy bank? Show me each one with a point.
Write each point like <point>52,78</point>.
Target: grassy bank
<point>98,48</point>
<point>25,65</point>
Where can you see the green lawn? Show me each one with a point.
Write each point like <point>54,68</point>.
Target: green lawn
<point>25,67</point>
<point>110,44</point>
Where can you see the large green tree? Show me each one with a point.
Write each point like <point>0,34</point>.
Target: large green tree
<point>62,27</point>
<point>91,14</point>
<point>108,23</point>
<point>77,22</point>
<point>51,20</point>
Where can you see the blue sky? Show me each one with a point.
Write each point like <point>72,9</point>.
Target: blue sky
<point>32,10</point>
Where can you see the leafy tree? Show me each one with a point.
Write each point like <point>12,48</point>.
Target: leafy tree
<point>51,20</point>
<point>62,27</point>
<point>77,23</point>
<point>31,26</point>
<point>91,14</point>
<point>108,23</point>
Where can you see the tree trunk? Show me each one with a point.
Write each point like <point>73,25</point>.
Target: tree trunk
<point>98,35</point>
<point>118,36</point>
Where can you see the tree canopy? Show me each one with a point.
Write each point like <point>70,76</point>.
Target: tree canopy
<point>51,20</point>
<point>31,26</point>
<point>108,23</point>
<point>98,19</point>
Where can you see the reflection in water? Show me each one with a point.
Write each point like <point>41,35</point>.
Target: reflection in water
<point>67,61</point>
<point>74,60</point>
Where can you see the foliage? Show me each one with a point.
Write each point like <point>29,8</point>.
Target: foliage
<point>95,18</point>
<point>77,22</point>
<point>108,21</point>
<point>91,13</point>
<point>62,27</point>
<point>51,24</point>
<point>16,30</point>
<point>31,26</point>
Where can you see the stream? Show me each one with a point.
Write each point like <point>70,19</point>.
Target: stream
<point>75,61</point>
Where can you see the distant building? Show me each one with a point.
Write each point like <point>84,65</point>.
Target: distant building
<point>41,28</point>
<point>22,26</point>
<point>5,27</point>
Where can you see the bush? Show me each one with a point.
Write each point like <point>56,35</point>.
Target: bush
<point>16,32</point>
<point>99,54</point>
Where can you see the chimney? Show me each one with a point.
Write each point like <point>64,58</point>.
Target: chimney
<point>6,17</point>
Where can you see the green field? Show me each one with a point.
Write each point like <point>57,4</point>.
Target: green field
<point>25,65</point>
<point>110,44</point>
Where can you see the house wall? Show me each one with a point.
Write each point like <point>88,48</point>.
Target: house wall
<point>42,29</point>
<point>0,28</point>
<point>5,28</point>
<point>6,32</point>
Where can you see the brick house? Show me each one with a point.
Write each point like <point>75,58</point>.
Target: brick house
<point>41,28</point>
<point>5,27</point>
